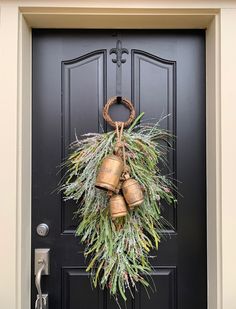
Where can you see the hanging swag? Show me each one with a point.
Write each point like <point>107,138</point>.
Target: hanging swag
<point>115,179</point>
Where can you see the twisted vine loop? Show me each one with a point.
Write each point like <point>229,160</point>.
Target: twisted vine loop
<point>107,117</point>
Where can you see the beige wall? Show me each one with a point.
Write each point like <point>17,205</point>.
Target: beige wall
<point>219,17</point>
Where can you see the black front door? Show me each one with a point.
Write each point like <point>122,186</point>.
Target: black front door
<point>73,75</point>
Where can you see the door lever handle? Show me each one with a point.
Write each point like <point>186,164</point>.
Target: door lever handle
<point>41,268</point>
<point>39,301</point>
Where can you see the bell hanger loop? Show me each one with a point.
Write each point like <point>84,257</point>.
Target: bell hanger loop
<point>119,51</point>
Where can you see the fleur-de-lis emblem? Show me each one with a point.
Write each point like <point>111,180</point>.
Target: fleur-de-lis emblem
<point>119,51</point>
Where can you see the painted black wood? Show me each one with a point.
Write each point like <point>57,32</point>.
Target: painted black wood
<point>73,75</point>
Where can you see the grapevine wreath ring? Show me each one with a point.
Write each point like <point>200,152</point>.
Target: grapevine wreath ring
<point>127,103</point>
<point>120,224</point>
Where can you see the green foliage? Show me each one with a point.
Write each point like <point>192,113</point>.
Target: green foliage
<point>119,250</point>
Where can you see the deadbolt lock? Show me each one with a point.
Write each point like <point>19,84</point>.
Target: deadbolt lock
<point>42,229</point>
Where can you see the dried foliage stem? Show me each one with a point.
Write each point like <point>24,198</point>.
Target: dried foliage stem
<point>118,250</point>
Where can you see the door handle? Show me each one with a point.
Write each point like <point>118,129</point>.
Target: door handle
<point>39,300</point>
<point>41,268</point>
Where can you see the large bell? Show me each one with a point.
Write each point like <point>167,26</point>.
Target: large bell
<point>109,173</point>
<point>117,206</point>
<point>132,192</point>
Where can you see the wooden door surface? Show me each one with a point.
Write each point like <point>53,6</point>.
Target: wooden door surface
<point>73,75</point>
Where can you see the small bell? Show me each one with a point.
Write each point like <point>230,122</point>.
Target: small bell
<point>109,173</point>
<point>132,192</point>
<point>117,206</point>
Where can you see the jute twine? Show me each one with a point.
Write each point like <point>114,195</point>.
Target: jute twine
<point>120,143</point>
<point>120,146</point>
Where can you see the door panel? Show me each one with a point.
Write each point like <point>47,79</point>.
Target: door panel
<point>79,105</point>
<point>154,91</point>
<point>73,75</point>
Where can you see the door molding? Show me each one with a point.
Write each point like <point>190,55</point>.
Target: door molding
<point>17,21</point>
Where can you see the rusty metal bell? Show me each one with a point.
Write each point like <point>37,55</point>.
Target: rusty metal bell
<point>117,206</point>
<point>132,192</point>
<point>109,173</point>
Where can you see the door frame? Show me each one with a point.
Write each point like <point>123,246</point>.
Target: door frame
<point>17,19</point>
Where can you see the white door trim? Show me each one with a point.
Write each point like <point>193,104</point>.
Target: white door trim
<point>15,118</point>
